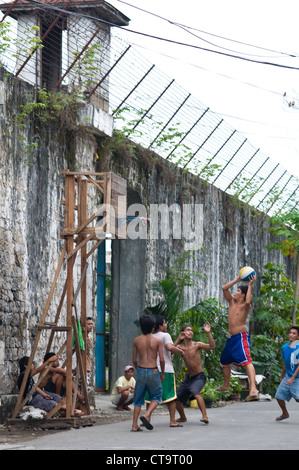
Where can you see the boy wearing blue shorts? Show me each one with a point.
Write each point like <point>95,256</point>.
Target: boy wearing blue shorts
<point>148,378</point>
<point>237,348</point>
<point>289,385</point>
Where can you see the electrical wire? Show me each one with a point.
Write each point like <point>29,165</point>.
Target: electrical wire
<point>205,32</point>
<point>206,70</point>
<point>171,41</point>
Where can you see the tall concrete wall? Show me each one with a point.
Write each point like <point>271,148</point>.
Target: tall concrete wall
<point>32,217</point>
<point>233,236</point>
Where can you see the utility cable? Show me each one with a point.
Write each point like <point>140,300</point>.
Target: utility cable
<point>178,43</point>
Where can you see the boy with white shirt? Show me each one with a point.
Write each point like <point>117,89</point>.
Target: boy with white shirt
<point>168,385</point>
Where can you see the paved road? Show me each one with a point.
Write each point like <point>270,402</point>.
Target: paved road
<point>234,427</point>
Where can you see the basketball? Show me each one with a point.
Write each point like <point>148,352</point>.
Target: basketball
<point>246,273</point>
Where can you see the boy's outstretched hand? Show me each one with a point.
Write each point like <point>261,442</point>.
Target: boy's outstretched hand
<point>207,327</point>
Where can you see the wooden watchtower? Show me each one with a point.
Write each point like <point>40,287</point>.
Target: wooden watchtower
<point>80,231</point>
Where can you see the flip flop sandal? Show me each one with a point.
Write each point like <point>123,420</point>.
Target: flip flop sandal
<point>281,418</point>
<point>146,423</point>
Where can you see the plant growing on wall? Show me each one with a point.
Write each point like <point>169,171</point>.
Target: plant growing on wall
<point>274,306</point>
<point>271,321</point>
<point>287,227</point>
<point>59,108</point>
<point>169,138</point>
<point>29,44</point>
<point>85,69</point>
<point>5,38</point>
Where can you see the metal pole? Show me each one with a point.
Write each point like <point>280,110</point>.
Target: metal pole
<point>78,57</point>
<point>262,183</point>
<point>133,89</point>
<point>148,110</point>
<point>271,189</point>
<point>203,143</point>
<point>242,169</point>
<point>100,373</point>
<point>169,120</point>
<point>188,131</point>
<point>107,73</point>
<point>229,161</point>
<point>42,39</point>
<point>203,169</point>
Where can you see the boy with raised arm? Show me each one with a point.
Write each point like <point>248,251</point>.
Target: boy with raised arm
<point>237,348</point>
<point>194,382</point>
<point>148,378</point>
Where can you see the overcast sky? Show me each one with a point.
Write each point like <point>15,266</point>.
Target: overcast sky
<point>248,94</point>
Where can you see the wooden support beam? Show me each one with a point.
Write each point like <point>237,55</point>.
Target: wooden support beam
<point>80,363</point>
<point>56,408</point>
<point>112,187</point>
<point>82,217</point>
<point>69,222</point>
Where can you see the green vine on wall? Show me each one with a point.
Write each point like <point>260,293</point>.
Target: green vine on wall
<point>59,108</point>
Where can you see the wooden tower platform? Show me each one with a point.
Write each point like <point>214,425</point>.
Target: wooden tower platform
<point>80,230</point>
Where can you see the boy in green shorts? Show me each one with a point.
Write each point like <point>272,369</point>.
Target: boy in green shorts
<point>168,385</point>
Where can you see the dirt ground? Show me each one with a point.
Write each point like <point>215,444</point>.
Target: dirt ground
<point>14,434</point>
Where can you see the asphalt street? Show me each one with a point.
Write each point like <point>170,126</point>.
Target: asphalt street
<point>240,426</point>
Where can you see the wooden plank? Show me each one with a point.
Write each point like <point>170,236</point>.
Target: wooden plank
<point>109,226</point>
<point>81,244</point>
<point>82,279</point>
<point>119,179</point>
<point>75,390</point>
<point>120,188</point>
<point>119,204</point>
<point>69,222</point>
<point>53,423</point>
<point>56,408</point>
<point>79,361</point>
<point>67,231</point>
<point>83,285</point>
<point>74,231</point>
<point>54,328</point>
<point>94,248</point>
<point>82,173</point>
<point>99,186</point>
<point>56,318</point>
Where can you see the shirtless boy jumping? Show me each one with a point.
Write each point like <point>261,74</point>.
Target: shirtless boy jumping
<point>194,382</point>
<point>147,347</point>
<point>237,348</point>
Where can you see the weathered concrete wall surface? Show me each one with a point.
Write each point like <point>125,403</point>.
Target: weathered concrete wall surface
<point>31,219</point>
<point>233,236</point>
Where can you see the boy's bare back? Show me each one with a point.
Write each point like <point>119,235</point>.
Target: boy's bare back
<point>147,347</point>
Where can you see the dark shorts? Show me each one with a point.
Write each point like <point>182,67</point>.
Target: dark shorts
<point>38,401</point>
<point>191,385</point>
<point>236,350</point>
